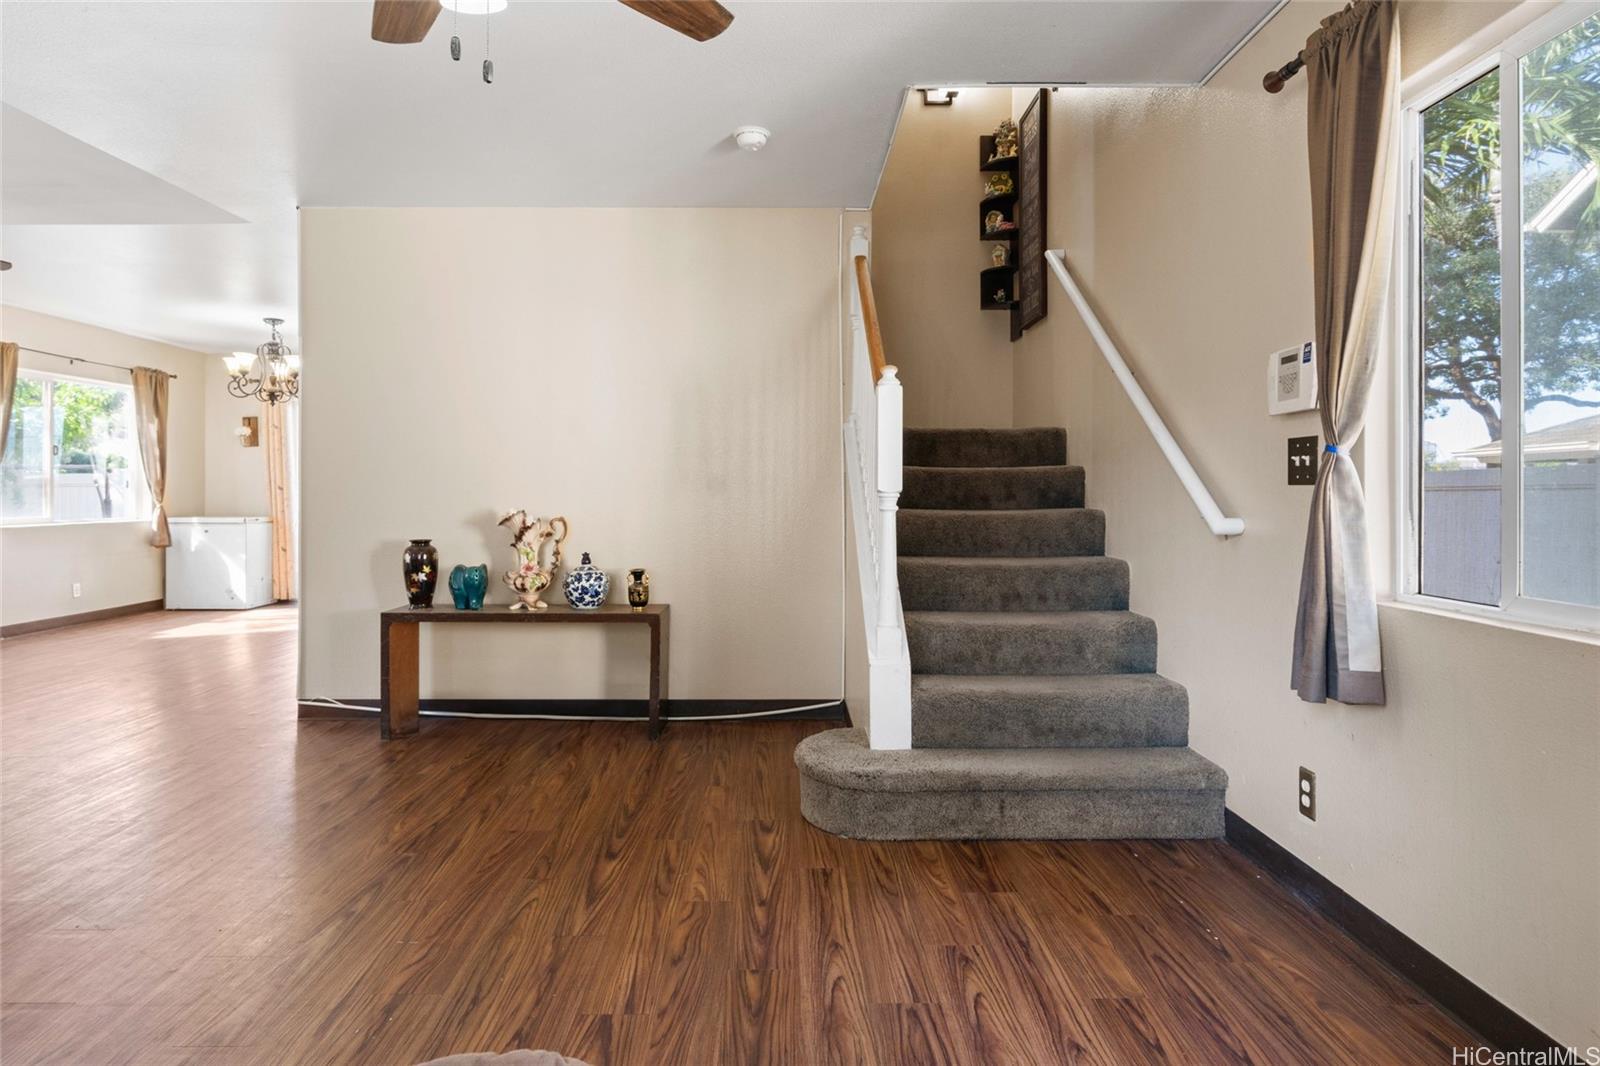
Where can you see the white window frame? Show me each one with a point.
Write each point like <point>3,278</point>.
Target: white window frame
<point>1500,46</point>
<point>136,480</point>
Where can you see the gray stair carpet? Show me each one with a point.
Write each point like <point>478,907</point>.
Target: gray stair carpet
<point>1002,534</point>
<point>985,447</point>
<point>1073,583</point>
<point>1036,711</point>
<point>992,488</point>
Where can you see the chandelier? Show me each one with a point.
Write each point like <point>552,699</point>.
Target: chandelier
<point>272,375</point>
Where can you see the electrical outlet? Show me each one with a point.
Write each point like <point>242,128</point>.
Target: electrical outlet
<point>77,590</point>
<point>1308,793</point>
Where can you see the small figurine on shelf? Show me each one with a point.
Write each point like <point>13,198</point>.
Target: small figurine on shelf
<point>467,586</point>
<point>1000,296</point>
<point>995,222</point>
<point>1005,140</point>
<point>1001,184</point>
<point>998,255</point>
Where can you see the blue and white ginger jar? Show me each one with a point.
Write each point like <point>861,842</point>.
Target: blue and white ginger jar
<point>586,585</point>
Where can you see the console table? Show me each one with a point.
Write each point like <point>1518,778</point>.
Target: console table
<point>401,630</point>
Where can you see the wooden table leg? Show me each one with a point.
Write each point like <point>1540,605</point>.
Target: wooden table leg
<point>398,714</point>
<point>658,673</point>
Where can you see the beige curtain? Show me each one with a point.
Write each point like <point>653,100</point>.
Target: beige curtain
<point>1353,77</point>
<point>274,418</point>
<point>150,424</point>
<point>8,389</point>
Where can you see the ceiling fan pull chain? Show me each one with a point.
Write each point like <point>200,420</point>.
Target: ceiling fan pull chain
<point>455,36</point>
<point>488,64</point>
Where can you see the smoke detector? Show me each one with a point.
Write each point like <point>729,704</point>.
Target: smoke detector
<point>751,138</point>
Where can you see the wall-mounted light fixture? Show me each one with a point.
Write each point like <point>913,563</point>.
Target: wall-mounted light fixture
<point>938,97</point>
<point>249,431</point>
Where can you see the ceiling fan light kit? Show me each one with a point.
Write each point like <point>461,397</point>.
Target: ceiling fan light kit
<point>408,21</point>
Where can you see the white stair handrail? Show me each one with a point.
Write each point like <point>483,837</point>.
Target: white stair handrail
<point>1220,524</point>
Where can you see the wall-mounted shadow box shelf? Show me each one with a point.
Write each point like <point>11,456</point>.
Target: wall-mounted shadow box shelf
<point>997,279</point>
<point>986,161</point>
<point>1006,204</point>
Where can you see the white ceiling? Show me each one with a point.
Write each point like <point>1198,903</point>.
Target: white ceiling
<point>249,109</point>
<point>52,179</point>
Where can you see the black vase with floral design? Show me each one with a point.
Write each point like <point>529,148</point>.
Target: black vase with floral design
<point>422,572</point>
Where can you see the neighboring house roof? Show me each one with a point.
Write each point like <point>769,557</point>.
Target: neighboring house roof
<point>1575,441</point>
<point>1561,214</point>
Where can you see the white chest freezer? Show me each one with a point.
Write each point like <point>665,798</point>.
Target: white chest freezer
<point>219,564</point>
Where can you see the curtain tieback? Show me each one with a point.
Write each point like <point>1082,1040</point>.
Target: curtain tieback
<point>1333,449</point>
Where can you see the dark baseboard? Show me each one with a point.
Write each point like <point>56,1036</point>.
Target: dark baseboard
<point>1497,1023</point>
<point>17,629</point>
<point>364,707</point>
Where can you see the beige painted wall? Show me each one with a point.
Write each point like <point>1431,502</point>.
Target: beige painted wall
<point>1467,811</point>
<point>112,561</point>
<point>666,379</point>
<point>236,476</point>
<point>954,359</point>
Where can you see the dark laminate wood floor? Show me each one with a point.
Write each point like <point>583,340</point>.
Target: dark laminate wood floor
<point>190,875</point>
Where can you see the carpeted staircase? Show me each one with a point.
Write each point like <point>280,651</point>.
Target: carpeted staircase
<point>1036,711</point>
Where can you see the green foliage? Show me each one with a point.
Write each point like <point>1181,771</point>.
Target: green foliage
<point>1461,235</point>
<point>29,392</point>
<point>1560,119</point>
<point>86,437</point>
<point>1461,292</point>
<point>84,413</point>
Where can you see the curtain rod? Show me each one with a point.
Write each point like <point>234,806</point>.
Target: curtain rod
<point>1274,79</point>
<point>81,359</point>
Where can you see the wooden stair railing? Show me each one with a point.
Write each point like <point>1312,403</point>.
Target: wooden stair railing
<point>869,317</point>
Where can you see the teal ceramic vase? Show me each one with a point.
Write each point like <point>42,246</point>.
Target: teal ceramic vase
<point>467,586</point>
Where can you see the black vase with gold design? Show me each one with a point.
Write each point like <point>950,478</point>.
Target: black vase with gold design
<point>638,589</point>
<point>421,560</point>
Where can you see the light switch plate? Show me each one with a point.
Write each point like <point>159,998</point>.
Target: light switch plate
<point>1303,460</point>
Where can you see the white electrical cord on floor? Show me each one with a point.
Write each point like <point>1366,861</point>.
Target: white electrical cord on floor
<point>582,717</point>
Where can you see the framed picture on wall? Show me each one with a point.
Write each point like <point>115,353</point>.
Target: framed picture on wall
<point>1031,195</point>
